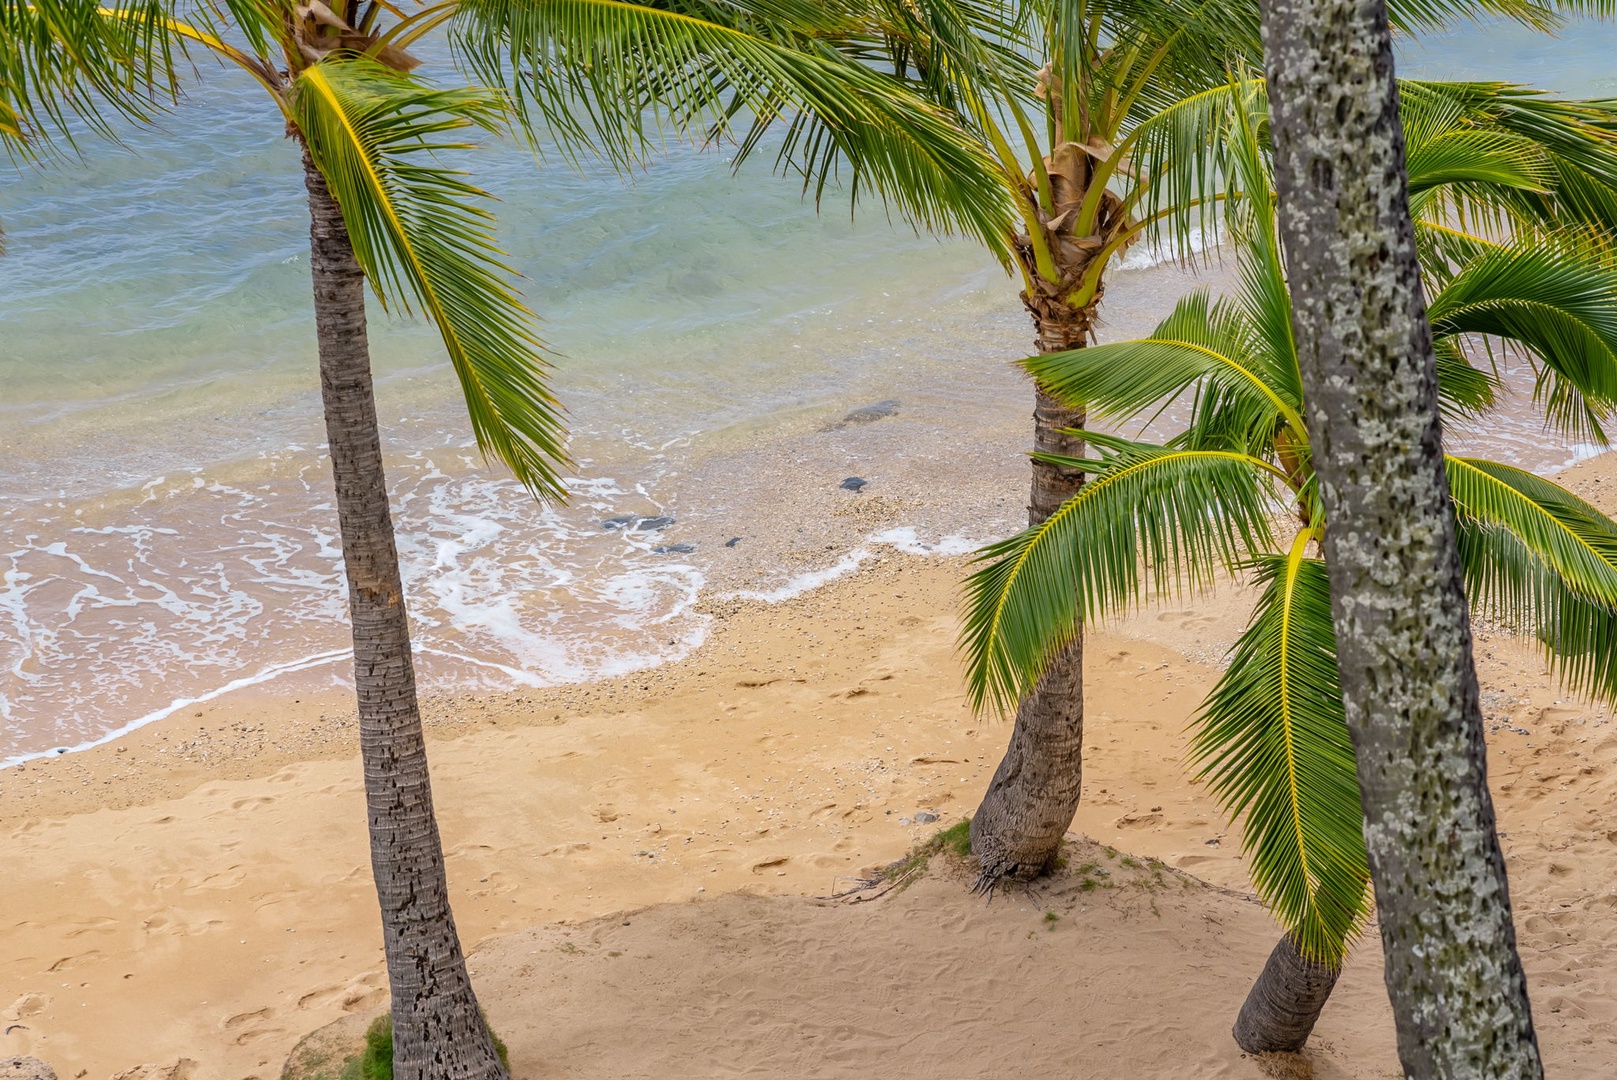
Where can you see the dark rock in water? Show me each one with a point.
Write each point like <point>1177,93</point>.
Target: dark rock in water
<point>621,522</point>
<point>62,750</point>
<point>674,549</point>
<point>925,817</point>
<point>853,483</point>
<point>871,413</point>
<point>867,415</point>
<point>733,541</point>
<point>652,524</point>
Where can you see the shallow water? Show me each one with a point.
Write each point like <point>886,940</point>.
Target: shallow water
<point>165,522</point>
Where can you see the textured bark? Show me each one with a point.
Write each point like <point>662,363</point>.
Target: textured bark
<point>1284,1004</point>
<point>1030,803</point>
<point>1398,600</point>
<point>438,1031</point>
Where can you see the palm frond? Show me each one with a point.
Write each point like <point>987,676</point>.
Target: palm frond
<point>601,75</point>
<point>1555,299</point>
<point>1182,161</point>
<point>425,239</point>
<point>1271,742</point>
<point>1464,391</point>
<point>1542,561</point>
<point>1200,341</point>
<point>1573,142</point>
<point>1150,521</point>
<point>1566,535</point>
<point>1410,16</point>
<point>79,60</point>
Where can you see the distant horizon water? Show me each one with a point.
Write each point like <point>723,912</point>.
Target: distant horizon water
<point>166,528</point>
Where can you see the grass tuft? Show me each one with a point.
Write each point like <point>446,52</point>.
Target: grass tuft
<point>956,839</point>
<point>376,1063</point>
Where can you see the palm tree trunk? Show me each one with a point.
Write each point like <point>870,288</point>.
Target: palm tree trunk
<point>1459,996</point>
<point>1284,1005</point>
<point>1030,803</point>
<point>438,1032</point>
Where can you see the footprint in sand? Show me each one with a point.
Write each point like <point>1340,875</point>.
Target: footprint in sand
<point>74,961</point>
<point>249,1026</point>
<point>93,926</point>
<point>26,1006</point>
<point>231,1023</point>
<point>1137,821</point>
<point>224,879</point>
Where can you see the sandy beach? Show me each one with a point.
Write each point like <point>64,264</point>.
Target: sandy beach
<point>634,861</point>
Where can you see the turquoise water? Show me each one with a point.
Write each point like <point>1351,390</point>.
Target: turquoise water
<point>165,531</point>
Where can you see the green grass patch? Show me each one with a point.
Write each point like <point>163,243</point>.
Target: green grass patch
<point>376,1063</point>
<point>955,840</point>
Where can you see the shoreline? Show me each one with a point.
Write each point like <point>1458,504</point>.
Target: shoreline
<point>200,889</point>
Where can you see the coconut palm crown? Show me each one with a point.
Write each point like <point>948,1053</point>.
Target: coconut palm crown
<point>1513,193</point>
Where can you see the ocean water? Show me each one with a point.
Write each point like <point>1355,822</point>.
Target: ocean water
<point>166,528</point>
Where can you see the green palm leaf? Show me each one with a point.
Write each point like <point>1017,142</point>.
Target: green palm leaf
<point>1556,299</point>
<point>1152,520</point>
<point>1272,743</point>
<point>1541,560</point>
<point>1201,341</point>
<point>1564,534</point>
<point>62,60</point>
<point>424,239</point>
<point>1572,139</point>
<point>598,72</point>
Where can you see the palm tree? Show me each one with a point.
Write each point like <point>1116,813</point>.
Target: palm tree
<point>384,210</point>
<point>1508,187</point>
<point>1093,114</point>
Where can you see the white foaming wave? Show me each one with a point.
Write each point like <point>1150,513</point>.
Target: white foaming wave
<point>97,624</point>
<point>1144,256</point>
<point>533,589</point>
<point>906,539</point>
<point>810,580</point>
<point>302,663</point>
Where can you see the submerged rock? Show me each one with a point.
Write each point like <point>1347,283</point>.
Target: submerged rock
<point>652,524</point>
<point>854,483</point>
<point>867,414</point>
<point>879,411</point>
<point>622,521</point>
<point>733,541</point>
<point>674,549</point>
